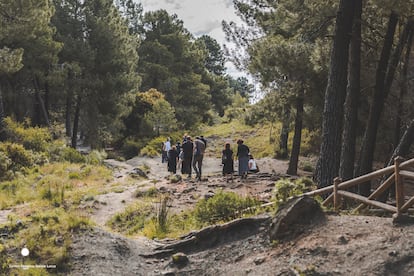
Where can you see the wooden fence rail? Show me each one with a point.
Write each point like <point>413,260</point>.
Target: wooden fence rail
<point>395,175</point>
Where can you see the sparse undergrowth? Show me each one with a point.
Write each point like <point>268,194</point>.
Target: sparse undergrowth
<point>47,234</point>
<point>154,221</point>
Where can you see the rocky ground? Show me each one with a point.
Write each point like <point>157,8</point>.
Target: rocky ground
<point>341,245</point>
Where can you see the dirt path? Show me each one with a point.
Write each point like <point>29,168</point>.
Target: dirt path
<point>185,193</point>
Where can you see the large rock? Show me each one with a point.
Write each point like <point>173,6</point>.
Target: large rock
<point>294,217</point>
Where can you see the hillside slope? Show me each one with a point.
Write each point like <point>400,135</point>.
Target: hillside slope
<point>343,245</point>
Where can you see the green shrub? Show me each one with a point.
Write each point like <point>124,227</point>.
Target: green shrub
<point>307,166</point>
<point>19,156</point>
<point>154,147</point>
<point>4,261</point>
<point>223,206</point>
<point>131,148</point>
<point>96,157</point>
<point>34,138</point>
<point>72,155</point>
<point>5,163</point>
<point>285,188</point>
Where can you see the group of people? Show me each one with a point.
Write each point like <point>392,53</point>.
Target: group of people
<point>246,161</point>
<point>189,156</point>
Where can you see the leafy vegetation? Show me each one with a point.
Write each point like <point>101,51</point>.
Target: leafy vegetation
<point>155,221</point>
<point>285,189</point>
<point>223,206</point>
<point>47,233</point>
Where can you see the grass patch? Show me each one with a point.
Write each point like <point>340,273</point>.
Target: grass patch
<point>133,219</point>
<point>58,183</point>
<point>47,235</point>
<point>154,220</point>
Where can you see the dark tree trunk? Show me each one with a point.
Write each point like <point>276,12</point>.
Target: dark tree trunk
<point>40,113</point>
<point>403,89</point>
<point>68,114</point>
<point>405,143</point>
<point>297,137</point>
<point>46,101</point>
<point>402,144</point>
<point>346,169</point>
<point>330,150</point>
<point>76,122</point>
<point>284,134</point>
<point>2,116</point>
<point>382,88</point>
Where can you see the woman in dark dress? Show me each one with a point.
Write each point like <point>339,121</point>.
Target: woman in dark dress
<point>227,161</point>
<point>243,156</point>
<point>172,160</point>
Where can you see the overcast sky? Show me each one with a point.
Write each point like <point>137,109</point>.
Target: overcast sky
<point>200,17</point>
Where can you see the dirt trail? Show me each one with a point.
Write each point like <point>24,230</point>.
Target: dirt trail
<point>184,193</point>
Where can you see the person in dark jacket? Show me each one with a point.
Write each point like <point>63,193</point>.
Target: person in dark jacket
<point>227,161</point>
<point>172,156</point>
<point>187,147</point>
<point>243,156</point>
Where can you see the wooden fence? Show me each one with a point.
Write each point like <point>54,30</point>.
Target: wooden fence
<point>396,174</point>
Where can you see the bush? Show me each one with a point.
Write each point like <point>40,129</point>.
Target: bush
<point>223,206</point>
<point>4,262</point>
<point>34,138</point>
<point>72,155</point>
<point>285,188</point>
<point>131,148</point>
<point>96,157</point>
<point>154,147</point>
<point>5,163</point>
<point>19,156</point>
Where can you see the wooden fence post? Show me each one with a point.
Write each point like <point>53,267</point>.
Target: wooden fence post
<point>336,196</point>
<point>399,188</point>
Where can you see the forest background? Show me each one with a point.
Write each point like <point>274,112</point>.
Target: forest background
<point>336,78</point>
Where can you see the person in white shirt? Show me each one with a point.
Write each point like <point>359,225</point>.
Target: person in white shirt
<point>253,168</point>
<point>165,148</point>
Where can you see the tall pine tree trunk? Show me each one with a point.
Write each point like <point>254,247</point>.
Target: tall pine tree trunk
<point>297,137</point>
<point>2,116</point>
<point>40,113</point>
<point>76,122</point>
<point>330,150</point>
<point>382,88</point>
<point>403,89</point>
<point>284,134</point>
<point>402,144</point>
<point>347,163</point>
<point>68,110</point>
